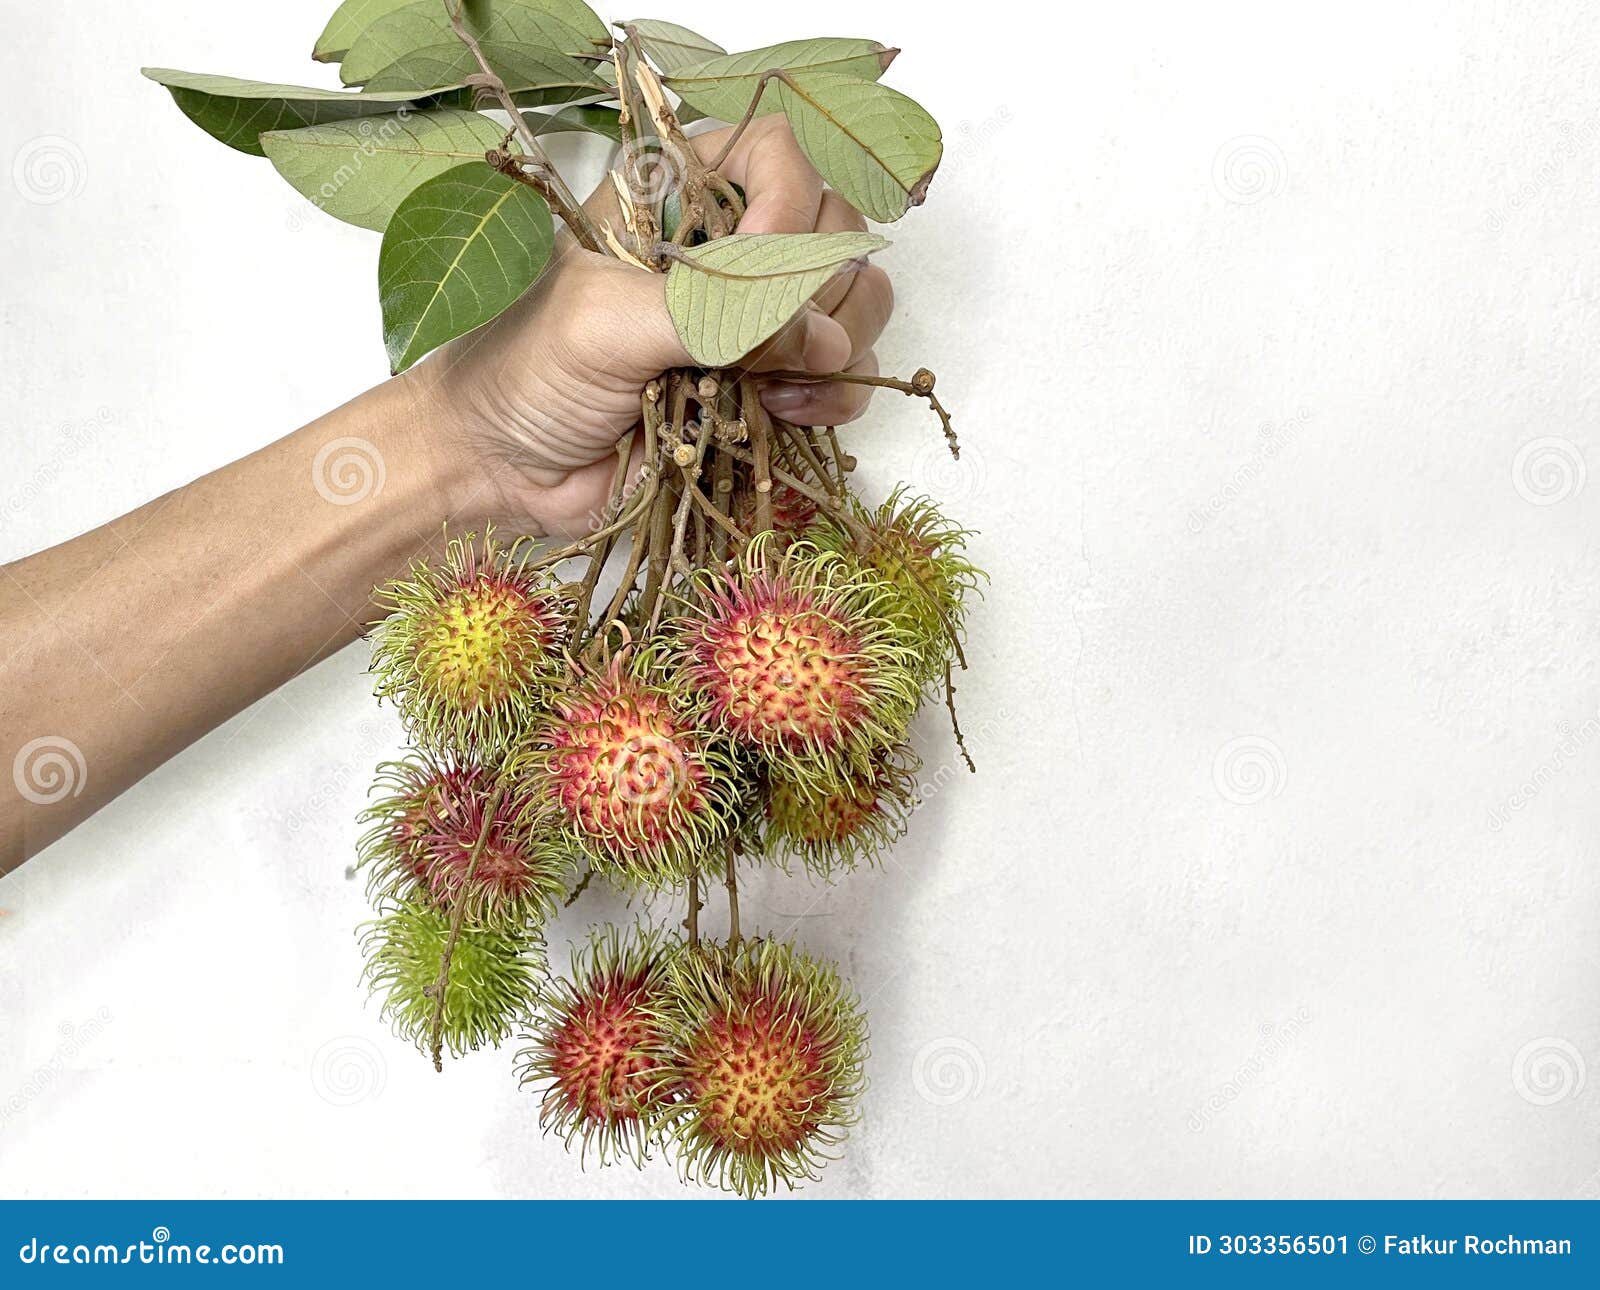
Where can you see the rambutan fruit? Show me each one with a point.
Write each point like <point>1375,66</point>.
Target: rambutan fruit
<point>792,511</point>
<point>434,818</point>
<point>636,786</point>
<point>800,664</point>
<point>920,556</point>
<point>492,982</point>
<point>843,825</point>
<point>761,1051</point>
<point>590,1047</point>
<point>470,648</point>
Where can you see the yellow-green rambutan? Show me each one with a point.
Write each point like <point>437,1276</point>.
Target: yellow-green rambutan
<point>798,665</point>
<point>846,824</point>
<point>761,1052</point>
<point>636,786</point>
<point>432,820</point>
<point>921,558</point>
<point>590,1051</point>
<point>492,983</point>
<point>471,647</point>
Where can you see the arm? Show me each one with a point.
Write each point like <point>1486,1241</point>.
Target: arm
<point>128,643</point>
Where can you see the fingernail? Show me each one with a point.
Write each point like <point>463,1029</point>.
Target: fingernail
<point>783,397</point>
<point>827,344</point>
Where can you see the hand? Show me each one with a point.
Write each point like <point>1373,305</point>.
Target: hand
<point>524,415</point>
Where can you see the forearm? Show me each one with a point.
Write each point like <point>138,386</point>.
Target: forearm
<point>128,643</point>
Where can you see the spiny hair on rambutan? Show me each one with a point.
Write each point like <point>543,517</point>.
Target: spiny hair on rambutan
<point>636,786</point>
<point>590,1050</point>
<point>434,818</point>
<point>762,1050</point>
<point>920,555</point>
<point>471,647</point>
<point>493,979</point>
<point>792,511</point>
<point>843,826</point>
<point>798,665</point>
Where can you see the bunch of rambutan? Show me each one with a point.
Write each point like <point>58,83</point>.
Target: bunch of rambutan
<point>744,697</point>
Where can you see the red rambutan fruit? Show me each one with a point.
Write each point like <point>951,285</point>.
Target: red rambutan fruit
<point>427,828</point>
<point>642,791</point>
<point>798,665</point>
<point>591,1046</point>
<point>470,648</point>
<point>762,1051</point>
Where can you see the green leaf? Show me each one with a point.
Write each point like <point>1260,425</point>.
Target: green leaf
<point>672,47</point>
<point>723,87</point>
<point>875,147</point>
<point>458,251</point>
<point>360,171</point>
<point>592,120</point>
<point>349,20</point>
<point>421,31</point>
<point>730,295</point>
<point>533,74</point>
<point>237,111</point>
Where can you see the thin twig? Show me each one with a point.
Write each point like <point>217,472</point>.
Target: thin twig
<point>920,386</point>
<point>955,723</point>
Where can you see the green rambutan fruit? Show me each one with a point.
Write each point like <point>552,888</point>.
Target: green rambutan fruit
<point>492,984</point>
<point>761,1051</point>
<point>635,785</point>
<point>471,648</point>
<point>845,825</point>
<point>921,558</point>
<point>591,1046</point>
<point>426,829</point>
<point>799,665</point>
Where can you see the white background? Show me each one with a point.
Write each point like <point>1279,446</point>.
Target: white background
<point>1249,315</point>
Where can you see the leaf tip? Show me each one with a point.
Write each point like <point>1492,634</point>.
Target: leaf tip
<point>886,55</point>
